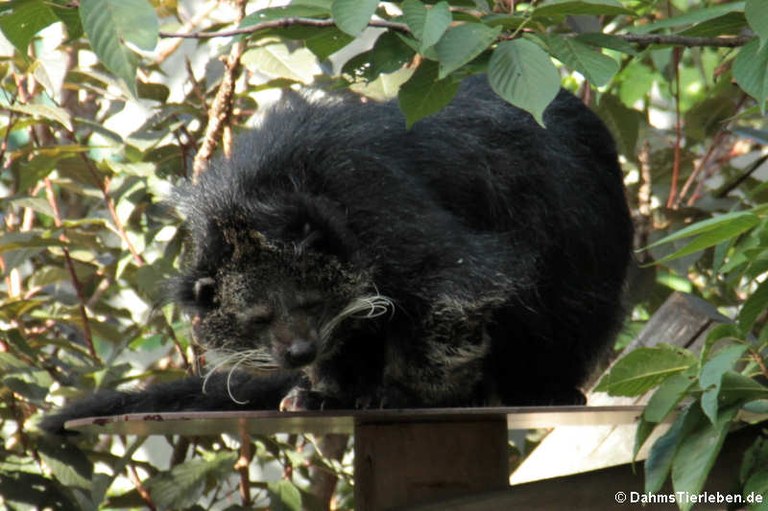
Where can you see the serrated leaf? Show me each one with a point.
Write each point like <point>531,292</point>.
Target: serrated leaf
<point>427,24</point>
<point>424,94</point>
<point>183,485</point>
<point>756,12</point>
<point>522,73</point>
<point>24,21</point>
<point>352,16</point>
<point>750,70</point>
<point>712,376</point>
<point>644,368</point>
<point>697,453</point>
<point>110,24</point>
<point>596,67</point>
<point>461,44</point>
<point>577,7</point>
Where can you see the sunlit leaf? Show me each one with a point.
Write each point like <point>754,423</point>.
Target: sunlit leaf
<point>352,16</point>
<point>523,74</point>
<point>596,67</point>
<point>644,368</point>
<point>25,21</point>
<point>110,24</point>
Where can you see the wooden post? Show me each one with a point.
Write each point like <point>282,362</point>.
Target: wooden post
<point>401,463</point>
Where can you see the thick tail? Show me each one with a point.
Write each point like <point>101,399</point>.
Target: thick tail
<point>223,392</point>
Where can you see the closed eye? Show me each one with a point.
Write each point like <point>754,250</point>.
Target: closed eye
<point>204,292</point>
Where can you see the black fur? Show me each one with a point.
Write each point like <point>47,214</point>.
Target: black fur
<point>502,247</point>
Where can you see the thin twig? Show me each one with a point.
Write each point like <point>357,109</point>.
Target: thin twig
<point>687,41</point>
<point>639,39</point>
<point>72,273</point>
<point>283,23</point>
<point>220,112</point>
<point>672,200</point>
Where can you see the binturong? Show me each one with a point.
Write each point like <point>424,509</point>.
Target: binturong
<point>340,260</point>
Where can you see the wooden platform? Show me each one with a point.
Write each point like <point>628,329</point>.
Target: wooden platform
<point>402,457</point>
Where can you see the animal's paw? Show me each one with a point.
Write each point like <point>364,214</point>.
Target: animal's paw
<point>299,399</point>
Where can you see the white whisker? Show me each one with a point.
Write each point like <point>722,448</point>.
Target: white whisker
<point>229,383</point>
<point>366,307</point>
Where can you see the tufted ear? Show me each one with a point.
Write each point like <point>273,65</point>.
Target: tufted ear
<point>319,225</point>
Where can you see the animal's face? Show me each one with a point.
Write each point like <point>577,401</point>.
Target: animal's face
<point>266,307</point>
<point>264,319</point>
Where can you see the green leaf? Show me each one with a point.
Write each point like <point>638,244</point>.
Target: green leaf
<point>756,12</point>
<point>47,112</point>
<point>624,122</point>
<point>427,24</point>
<point>523,74</point>
<point>424,94</point>
<point>750,70</point>
<point>728,24</point>
<point>735,388</point>
<point>644,368</point>
<point>710,232</point>
<point>571,8</point>
<point>689,18</point>
<point>753,306</point>
<point>697,453</point>
<point>662,453</point>
<point>184,484</point>
<point>388,54</point>
<point>288,11</point>
<point>596,67</point>
<point>110,24</point>
<point>607,41</point>
<point>278,61</point>
<point>25,21</point>
<point>324,42</point>
<point>461,44</point>
<point>644,430</point>
<point>712,375</point>
<point>67,463</point>
<point>668,395</point>
<point>352,16</point>
<point>284,496</point>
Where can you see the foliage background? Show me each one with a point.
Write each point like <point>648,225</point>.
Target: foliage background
<point>107,103</point>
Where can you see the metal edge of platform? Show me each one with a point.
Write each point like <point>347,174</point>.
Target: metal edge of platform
<point>343,421</point>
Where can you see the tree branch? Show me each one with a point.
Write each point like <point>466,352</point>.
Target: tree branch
<point>220,111</point>
<point>639,39</point>
<point>687,41</point>
<point>283,23</point>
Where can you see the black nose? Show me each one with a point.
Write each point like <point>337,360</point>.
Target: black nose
<point>301,353</point>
